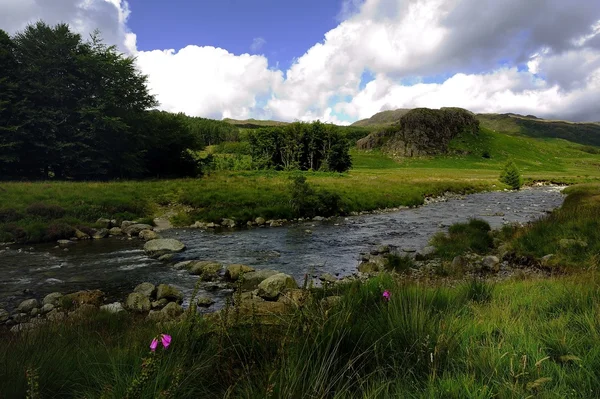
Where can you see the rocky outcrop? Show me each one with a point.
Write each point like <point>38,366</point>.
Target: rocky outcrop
<point>163,246</point>
<point>422,132</point>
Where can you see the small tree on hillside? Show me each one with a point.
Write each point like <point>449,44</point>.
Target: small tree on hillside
<point>511,176</point>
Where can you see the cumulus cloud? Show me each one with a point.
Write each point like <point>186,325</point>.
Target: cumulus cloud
<point>257,44</point>
<point>537,56</point>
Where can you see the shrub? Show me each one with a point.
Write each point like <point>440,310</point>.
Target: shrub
<point>307,202</point>
<point>46,211</point>
<point>59,231</point>
<point>9,215</point>
<point>399,263</point>
<point>511,176</point>
<point>463,237</point>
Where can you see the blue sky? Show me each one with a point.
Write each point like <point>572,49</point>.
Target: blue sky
<point>289,28</point>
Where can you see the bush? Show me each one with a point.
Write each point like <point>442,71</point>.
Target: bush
<point>511,176</point>
<point>46,211</point>
<point>463,237</point>
<point>399,264</point>
<point>59,231</point>
<point>307,202</point>
<point>9,215</point>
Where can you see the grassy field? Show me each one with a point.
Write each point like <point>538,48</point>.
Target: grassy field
<point>375,182</point>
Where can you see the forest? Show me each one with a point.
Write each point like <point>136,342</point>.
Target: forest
<point>75,109</point>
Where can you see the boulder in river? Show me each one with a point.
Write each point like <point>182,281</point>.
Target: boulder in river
<point>137,302</point>
<point>47,308</point>
<point>271,287</point>
<point>253,279</point>
<point>147,289</point>
<point>104,223</point>
<point>148,235</point>
<point>228,223</point>
<point>28,305</point>
<point>160,303</point>
<point>205,302</point>
<point>52,299</point>
<point>259,221</point>
<point>327,278</point>
<point>126,224</point>
<point>208,270</point>
<point>168,292</point>
<point>233,272</point>
<point>80,235</point>
<point>65,243</point>
<point>368,268</point>
<point>100,234</point>
<point>135,229</point>
<point>163,246</point>
<point>115,231</point>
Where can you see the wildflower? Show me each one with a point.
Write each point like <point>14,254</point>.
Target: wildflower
<point>165,340</point>
<point>386,295</point>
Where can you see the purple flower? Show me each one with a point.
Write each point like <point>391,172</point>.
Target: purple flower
<point>153,344</point>
<point>386,295</point>
<point>166,340</point>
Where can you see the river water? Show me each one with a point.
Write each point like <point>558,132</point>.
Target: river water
<point>116,266</point>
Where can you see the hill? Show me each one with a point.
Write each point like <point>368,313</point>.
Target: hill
<point>529,125</point>
<point>253,123</point>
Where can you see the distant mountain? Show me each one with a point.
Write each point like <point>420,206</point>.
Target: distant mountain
<point>253,123</point>
<point>528,125</point>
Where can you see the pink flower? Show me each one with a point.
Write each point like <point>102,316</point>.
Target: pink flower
<point>153,344</point>
<point>386,295</point>
<point>166,340</point>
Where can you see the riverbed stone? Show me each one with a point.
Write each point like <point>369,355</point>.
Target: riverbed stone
<point>259,221</point>
<point>147,289</point>
<point>205,302</point>
<point>253,279</point>
<point>327,278</point>
<point>168,292</point>
<point>166,257</point>
<point>162,246</point>
<point>271,287</point>
<point>425,253</point>
<point>100,234</point>
<point>368,268</point>
<point>233,272</point>
<point>459,263</point>
<point>148,235</point>
<point>491,263</point>
<point>228,223</point>
<point>47,308</point>
<point>135,229</point>
<point>318,218</point>
<point>137,302</point>
<point>172,310</point>
<point>126,223</point>
<point>161,303</point>
<point>28,305</point>
<point>80,235</point>
<point>86,297</point>
<point>206,269</point>
<point>115,307</point>
<point>182,265</point>
<point>55,315</point>
<point>104,223</point>
<point>115,231</point>
<point>52,298</point>
<point>83,311</point>
<point>4,315</point>
<point>34,312</point>
<point>65,243</point>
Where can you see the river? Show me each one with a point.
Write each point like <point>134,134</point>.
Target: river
<point>117,265</point>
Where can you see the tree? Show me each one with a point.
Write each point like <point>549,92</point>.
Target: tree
<point>511,176</point>
<point>10,143</point>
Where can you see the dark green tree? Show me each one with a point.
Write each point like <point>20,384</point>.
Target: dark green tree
<point>10,142</point>
<point>511,176</point>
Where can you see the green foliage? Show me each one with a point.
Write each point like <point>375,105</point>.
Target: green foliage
<point>308,202</point>
<point>511,176</point>
<point>463,237</point>
<point>398,263</point>
<point>46,211</point>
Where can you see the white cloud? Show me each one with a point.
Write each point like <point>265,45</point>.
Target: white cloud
<point>466,41</point>
<point>257,44</point>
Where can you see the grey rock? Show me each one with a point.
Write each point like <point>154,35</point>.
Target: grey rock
<point>146,289</point>
<point>206,269</point>
<point>276,223</point>
<point>52,299</point>
<point>383,249</point>
<point>22,327</point>
<point>459,263</point>
<point>369,268</point>
<point>491,263</point>
<point>205,302</point>
<point>115,231</point>
<point>80,235</point>
<point>55,315</point>
<point>168,292</point>
<point>47,308</point>
<point>259,221</point>
<point>100,234</point>
<point>28,305</point>
<point>547,260</point>
<point>115,307</point>
<point>137,302</point>
<point>20,317</point>
<point>126,224</point>
<point>271,287</point>
<point>160,303</point>
<point>318,218</point>
<point>425,253</point>
<point>34,312</point>
<point>4,315</point>
<point>148,235</point>
<point>104,223</point>
<point>253,279</point>
<point>233,272</point>
<point>172,310</point>
<point>65,243</point>
<point>135,229</point>
<point>327,277</point>
<point>163,246</point>
<point>83,311</point>
<point>182,265</point>
<point>166,257</point>
<point>228,223</point>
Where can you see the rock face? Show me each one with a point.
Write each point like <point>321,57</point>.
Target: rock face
<point>422,131</point>
<point>137,302</point>
<point>271,287</point>
<point>253,279</point>
<point>233,272</point>
<point>163,246</point>
<point>28,305</point>
<point>168,292</point>
<point>135,229</point>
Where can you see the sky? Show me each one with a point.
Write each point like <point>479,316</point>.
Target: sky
<point>344,60</point>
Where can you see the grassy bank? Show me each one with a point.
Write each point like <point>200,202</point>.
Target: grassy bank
<point>516,339</point>
<point>375,182</point>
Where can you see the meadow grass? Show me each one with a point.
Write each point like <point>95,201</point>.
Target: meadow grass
<point>533,338</point>
<point>375,182</point>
